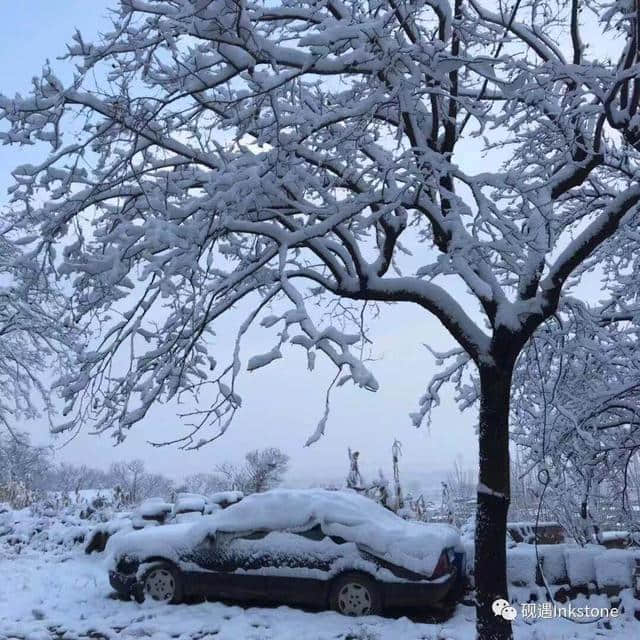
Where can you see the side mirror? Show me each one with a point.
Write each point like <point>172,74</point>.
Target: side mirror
<point>210,539</point>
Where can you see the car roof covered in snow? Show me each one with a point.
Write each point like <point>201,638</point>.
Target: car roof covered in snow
<point>355,518</point>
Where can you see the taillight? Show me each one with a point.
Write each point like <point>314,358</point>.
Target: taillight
<point>443,567</point>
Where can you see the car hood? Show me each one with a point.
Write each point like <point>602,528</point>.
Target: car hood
<point>168,541</point>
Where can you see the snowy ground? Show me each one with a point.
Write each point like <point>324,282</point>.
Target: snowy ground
<point>66,596</point>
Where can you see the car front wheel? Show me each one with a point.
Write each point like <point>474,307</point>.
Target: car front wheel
<point>355,594</point>
<point>162,583</point>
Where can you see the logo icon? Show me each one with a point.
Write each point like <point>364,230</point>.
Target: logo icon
<point>501,607</point>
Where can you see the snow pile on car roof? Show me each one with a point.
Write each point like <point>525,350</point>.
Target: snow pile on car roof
<point>413,545</point>
<point>355,518</point>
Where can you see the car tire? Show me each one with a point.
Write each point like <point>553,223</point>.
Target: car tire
<point>162,582</point>
<point>355,594</point>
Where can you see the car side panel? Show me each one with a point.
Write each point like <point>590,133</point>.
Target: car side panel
<point>293,568</point>
<point>276,567</point>
<point>225,585</point>
<point>220,577</point>
<point>303,591</point>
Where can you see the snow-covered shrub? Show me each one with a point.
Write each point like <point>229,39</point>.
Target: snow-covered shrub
<point>57,531</point>
<point>55,521</point>
<point>17,494</point>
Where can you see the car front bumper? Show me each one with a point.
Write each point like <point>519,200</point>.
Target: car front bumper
<point>125,585</point>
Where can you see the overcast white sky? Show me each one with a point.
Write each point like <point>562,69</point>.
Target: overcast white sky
<point>282,403</point>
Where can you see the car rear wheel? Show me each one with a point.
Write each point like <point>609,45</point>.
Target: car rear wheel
<point>162,583</point>
<point>355,594</point>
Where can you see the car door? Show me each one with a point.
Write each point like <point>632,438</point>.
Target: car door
<point>297,565</point>
<point>278,566</point>
<point>222,568</point>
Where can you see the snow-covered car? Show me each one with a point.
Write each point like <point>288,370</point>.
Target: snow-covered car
<point>312,547</point>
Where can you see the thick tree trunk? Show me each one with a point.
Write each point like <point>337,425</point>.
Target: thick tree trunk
<point>493,501</point>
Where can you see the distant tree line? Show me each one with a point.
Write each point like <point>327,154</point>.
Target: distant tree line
<point>28,470</point>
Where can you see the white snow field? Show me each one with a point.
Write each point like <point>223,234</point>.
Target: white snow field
<point>51,590</point>
<point>67,597</point>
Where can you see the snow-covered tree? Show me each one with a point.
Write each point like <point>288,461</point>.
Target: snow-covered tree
<point>23,462</point>
<point>134,483</point>
<point>576,413</point>
<point>128,476</point>
<point>153,485</point>
<point>204,483</point>
<point>71,478</point>
<point>458,498</point>
<point>33,340</point>
<point>285,155</point>
<point>262,469</point>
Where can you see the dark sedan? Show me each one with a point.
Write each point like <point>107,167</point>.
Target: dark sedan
<point>276,558</point>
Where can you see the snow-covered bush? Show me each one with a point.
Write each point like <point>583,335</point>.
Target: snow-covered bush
<point>17,494</point>
<point>20,528</point>
<point>55,521</point>
<point>24,468</point>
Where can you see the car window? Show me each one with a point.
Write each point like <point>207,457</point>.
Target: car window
<point>315,533</point>
<point>253,535</point>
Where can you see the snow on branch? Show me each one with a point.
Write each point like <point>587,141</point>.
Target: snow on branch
<point>212,160</point>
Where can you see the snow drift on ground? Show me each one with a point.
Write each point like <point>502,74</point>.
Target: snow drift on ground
<point>67,597</point>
